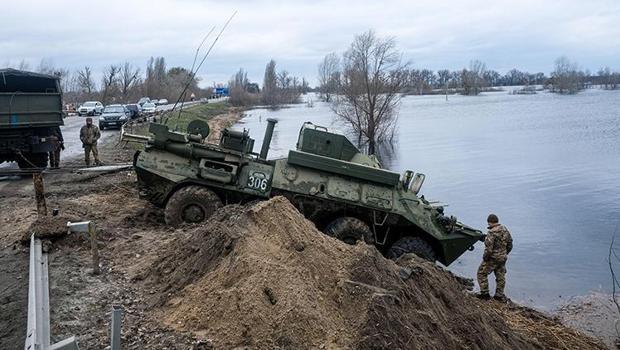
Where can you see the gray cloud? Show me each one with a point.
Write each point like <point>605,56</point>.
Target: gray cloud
<point>526,34</point>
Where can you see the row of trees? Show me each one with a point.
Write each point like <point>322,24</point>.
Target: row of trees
<point>279,87</point>
<point>566,78</point>
<point>364,85</point>
<point>121,83</point>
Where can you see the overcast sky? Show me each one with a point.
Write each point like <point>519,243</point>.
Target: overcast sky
<point>526,34</point>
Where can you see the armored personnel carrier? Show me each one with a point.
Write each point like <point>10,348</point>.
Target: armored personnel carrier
<point>344,192</point>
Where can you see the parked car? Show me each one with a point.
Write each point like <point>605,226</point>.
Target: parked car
<point>143,100</point>
<point>135,110</point>
<point>163,101</point>
<point>90,108</point>
<point>114,116</point>
<point>148,108</point>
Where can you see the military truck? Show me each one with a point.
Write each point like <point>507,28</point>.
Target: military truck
<point>30,115</point>
<point>343,191</point>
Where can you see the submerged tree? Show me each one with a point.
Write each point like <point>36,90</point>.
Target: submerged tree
<point>329,75</point>
<point>369,89</point>
<point>566,78</point>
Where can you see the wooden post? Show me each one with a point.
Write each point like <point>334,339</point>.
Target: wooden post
<point>93,248</point>
<point>39,193</point>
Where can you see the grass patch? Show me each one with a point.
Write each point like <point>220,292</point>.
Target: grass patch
<point>205,111</point>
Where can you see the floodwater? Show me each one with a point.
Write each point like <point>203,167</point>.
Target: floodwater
<point>547,165</point>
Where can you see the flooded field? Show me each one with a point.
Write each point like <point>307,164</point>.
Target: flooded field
<point>548,165</point>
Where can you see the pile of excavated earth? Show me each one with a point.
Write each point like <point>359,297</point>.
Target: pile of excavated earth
<point>262,276</point>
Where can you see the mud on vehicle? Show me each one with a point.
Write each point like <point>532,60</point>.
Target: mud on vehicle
<point>343,191</point>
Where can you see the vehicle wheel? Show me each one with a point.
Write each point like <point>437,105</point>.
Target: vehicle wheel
<point>101,127</point>
<point>349,230</point>
<point>33,160</point>
<point>411,244</point>
<point>191,204</point>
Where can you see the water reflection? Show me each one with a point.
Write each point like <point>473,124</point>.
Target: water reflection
<point>546,164</point>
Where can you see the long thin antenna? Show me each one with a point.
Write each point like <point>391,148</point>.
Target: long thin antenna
<point>197,53</point>
<point>193,72</point>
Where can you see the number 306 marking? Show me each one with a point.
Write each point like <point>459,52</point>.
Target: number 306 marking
<point>257,181</point>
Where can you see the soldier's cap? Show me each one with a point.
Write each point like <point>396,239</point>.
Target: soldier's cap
<point>492,219</point>
<point>89,119</point>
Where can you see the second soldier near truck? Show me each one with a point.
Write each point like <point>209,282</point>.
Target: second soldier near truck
<point>89,135</point>
<point>497,246</point>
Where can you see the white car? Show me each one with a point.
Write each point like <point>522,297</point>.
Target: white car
<point>90,108</point>
<point>163,101</point>
<point>148,108</point>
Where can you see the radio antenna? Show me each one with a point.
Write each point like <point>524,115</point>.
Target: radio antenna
<point>193,72</point>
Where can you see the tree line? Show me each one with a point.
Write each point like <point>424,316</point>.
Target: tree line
<point>566,78</point>
<point>365,83</point>
<point>121,82</point>
<point>279,87</point>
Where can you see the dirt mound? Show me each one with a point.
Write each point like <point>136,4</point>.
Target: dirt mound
<point>263,276</point>
<point>48,227</point>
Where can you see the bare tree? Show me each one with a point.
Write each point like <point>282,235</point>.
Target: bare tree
<point>270,84</point>
<point>566,78</point>
<point>369,90</point>
<point>85,81</point>
<point>608,79</point>
<point>109,82</point>
<point>329,75</point>
<point>472,79</point>
<point>23,65</point>
<point>240,91</point>
<point>129,77</point>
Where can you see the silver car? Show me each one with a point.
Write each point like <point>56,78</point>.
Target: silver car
<point>90,108</point>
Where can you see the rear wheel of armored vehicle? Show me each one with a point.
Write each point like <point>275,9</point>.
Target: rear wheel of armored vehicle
<point>34,160</point>
<point>410,244</point>
<point>191,204</point>
<point>349,230</point>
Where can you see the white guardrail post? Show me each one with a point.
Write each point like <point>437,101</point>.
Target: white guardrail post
<point>38,331</point>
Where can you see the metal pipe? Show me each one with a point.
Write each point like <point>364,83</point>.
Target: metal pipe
<point>115,328</point>
<point>267,139</point>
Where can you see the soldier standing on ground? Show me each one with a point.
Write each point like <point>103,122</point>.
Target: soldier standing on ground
<point>58,145</point>
<point>497,246</point>
<point>89,135</point>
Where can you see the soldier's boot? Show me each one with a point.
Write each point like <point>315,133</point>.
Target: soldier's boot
<point>483,295</point>
<point>500,298</point>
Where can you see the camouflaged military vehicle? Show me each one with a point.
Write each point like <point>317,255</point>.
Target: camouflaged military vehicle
<point>344,192</point>
<point>30,117</point>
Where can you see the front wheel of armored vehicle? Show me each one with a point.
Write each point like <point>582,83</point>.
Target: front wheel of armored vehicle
<point>349,230</point>
<point>411,244</point>
<point>191,204</point>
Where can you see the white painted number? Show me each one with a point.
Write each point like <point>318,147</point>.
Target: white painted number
<point>258,183</point>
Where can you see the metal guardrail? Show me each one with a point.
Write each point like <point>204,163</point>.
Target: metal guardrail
<point>38,331</point>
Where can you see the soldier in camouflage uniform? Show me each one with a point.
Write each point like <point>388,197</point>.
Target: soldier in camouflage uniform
<point>89,135</point>
<point>497,246</point>
<point>57,146</point>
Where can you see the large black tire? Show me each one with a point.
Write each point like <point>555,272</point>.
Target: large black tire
<point>350,230</point>
<point>32,161</point>
<point>191,204</point>
<point>411,244</point>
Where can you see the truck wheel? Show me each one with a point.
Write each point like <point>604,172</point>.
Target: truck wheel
<point>191,204</point>
<point>411,244</point>
<point>350,230</point>
<point>33,160</point>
